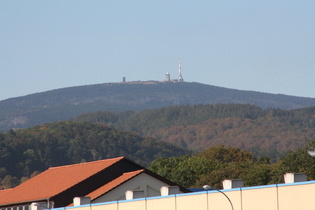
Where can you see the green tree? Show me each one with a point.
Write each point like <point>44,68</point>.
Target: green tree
<point>226,154</point>
<point>215,177</point>
<point>9,181</point>
<point>298,161</point>
<point>257,174</point>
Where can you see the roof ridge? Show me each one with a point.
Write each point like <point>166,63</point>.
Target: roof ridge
<point>44,186</point>
<point>76,164</point>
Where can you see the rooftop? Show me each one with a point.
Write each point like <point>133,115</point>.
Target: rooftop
<point>50,183</point>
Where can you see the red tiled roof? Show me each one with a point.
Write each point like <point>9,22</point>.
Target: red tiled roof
<point>113,184</point>
<point>53,181</point>
<point>4,192</point>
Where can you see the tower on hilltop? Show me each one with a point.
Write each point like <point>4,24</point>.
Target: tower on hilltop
<point>168,77</point>
<point>180,77</point>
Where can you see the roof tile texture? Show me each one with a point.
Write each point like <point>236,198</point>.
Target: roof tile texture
<point>113,184</point>
<point>54,181</point>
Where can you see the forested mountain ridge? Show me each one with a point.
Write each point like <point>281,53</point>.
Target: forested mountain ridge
<point>268,132</point>
<point>65,103</point>
<point>23,153</point>
<point>26,151</point>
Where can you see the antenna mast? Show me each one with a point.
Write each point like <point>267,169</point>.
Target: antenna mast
<point>180,77</point>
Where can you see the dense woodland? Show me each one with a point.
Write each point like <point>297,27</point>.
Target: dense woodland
<point>265,132</point>
<point>215,164</point>
<point>63,104</point>
<point>24,153</point>
<point>260,144</point>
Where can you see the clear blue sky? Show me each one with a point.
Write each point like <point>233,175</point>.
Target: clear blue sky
<point>266,46</point>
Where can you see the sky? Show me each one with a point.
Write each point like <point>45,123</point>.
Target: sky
<point>266,46</point>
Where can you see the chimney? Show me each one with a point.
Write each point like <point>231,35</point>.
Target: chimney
<point>169,190</point>
<point>294,177</point>
<point>78,201</point>
<point>39,206</point>
<point>232,183</point>
<point>134,194</point>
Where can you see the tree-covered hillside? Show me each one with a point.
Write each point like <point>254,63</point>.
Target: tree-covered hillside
<point>25,152</point>
<point>63,104</point>
<point>218,163</point>
<point>147,122</point>
<point>263,131</point>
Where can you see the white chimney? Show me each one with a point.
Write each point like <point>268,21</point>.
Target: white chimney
<point>130,194</point>
<point>232,183</point>
<point>169,190</point>
<point>78,201</point>
<point>294,177</point>
<point>39,206</point>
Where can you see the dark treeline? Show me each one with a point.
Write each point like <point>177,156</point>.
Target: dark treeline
<point>148,121</point>
<point>265,132</point>
<point>63,104</point>
<point>24,153</point>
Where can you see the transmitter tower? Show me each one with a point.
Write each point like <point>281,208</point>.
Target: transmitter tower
<point>180,76</point>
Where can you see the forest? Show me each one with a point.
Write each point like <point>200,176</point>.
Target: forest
<point>191,145</point>
<point>215,164</point>
<point>265,132</point>
<point>25,153</point>
<point>63,104</point>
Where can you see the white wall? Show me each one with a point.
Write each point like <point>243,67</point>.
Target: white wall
<point>150,185</point>
<point>272,197</point>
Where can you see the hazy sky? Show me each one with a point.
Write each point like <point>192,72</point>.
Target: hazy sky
<point>263,45</point>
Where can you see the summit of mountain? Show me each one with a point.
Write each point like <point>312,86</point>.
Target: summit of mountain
<point>66,103</point>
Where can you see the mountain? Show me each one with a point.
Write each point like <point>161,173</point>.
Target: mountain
<point>61,143</point>
<point>66,103</point>
<point>266,132</point>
